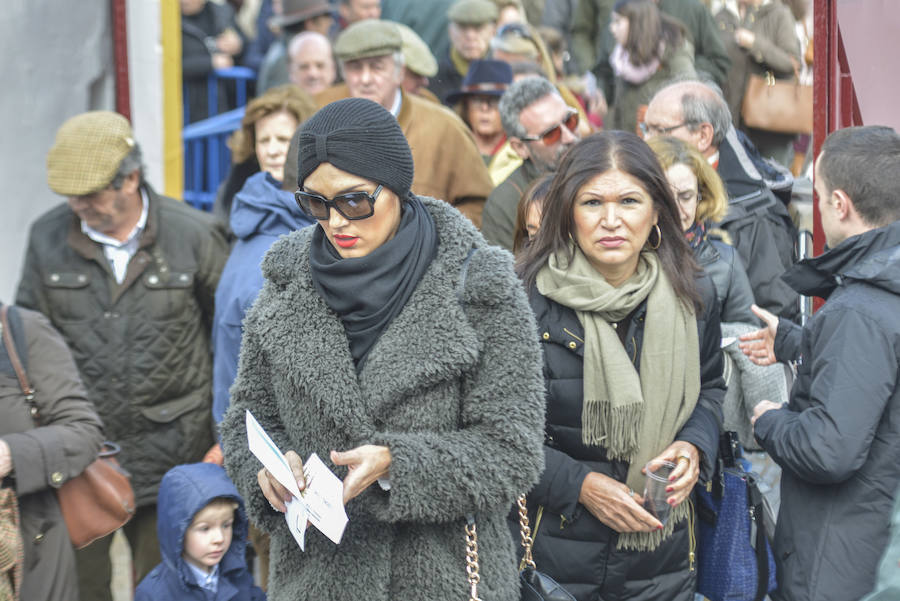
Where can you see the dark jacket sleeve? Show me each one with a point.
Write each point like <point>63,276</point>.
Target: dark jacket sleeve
<point>739,295</point>
<point>69,435</point>
<point>710,55</point>
<point>852,374</point>
<point>776,52</point>
<point>30,293</point>
<point>560,484</point>
<point>705,423</point>
<point>787,340</point>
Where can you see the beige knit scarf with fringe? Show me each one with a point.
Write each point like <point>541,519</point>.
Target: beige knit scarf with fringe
<point>634,416</point>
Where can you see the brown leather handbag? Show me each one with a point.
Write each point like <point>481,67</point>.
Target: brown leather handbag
<point>98,501</point>
<point>784,106</point>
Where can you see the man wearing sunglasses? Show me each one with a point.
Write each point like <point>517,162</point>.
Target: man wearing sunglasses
<point>448,164</point>
<point>540,127</point>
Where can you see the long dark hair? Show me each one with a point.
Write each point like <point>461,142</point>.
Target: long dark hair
<point>647,26</point>
<point>593,156</point>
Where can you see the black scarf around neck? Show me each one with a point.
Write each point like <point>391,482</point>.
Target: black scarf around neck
<point>368,292</point>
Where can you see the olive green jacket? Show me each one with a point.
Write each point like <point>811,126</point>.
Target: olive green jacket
<point>142,347</point>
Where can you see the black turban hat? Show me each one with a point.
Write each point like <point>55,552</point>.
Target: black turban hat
<point>360,137</point>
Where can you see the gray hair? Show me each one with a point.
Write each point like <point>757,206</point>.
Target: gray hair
<point>518,97</point>
<point>397,55</point>
<point>707,108</point>
<point>131,163</point>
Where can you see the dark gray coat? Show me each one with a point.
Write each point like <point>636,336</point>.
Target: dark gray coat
<point>452,387</point>
<point>45,457</point>
<point>722,263</point>
<point>838,441</point>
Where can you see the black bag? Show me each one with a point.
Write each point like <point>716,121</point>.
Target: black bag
<point>535,585</point>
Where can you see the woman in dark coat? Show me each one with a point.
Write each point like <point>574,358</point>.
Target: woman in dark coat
<point>36,459</point>
<point>393,342</point>
<point>630,331</point>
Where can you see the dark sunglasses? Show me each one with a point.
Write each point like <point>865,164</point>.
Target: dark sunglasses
<point>352,205</point>
<point>554,134</point>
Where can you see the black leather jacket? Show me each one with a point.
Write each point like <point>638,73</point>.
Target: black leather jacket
<point>723,265</point>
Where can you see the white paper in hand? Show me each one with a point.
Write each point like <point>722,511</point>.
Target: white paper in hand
<point>321,502</point>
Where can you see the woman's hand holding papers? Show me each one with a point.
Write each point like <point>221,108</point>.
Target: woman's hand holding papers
<point>366,464</point>
<point>275,493</point>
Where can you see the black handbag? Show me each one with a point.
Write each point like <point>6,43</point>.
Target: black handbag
<point>535,585</point>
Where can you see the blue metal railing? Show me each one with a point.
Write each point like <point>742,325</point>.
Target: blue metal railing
<point>207,158</point>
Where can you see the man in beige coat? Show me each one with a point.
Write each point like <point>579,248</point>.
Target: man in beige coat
<point>447,162</point>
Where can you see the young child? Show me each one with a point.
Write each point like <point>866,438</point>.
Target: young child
<point>202,530</point>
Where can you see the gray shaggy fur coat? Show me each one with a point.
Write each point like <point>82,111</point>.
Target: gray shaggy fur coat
<point>453,387</point>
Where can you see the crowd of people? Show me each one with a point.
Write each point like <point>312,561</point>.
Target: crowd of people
<point>468,254</point>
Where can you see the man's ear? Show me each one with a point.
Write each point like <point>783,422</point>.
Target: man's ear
<point>705,137</point>
<point>843,205</point>
<point>520,147</point>
<point>132,182</point>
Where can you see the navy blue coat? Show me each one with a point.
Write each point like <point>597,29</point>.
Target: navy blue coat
<point>185,490</point>
<point>261,212</point>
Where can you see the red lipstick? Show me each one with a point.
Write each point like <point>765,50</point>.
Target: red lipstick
<point>345,241</point>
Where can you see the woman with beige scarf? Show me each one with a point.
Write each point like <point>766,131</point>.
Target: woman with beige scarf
<point>630,331</point>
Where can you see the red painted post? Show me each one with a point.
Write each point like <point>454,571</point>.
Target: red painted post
<point>120,57</point>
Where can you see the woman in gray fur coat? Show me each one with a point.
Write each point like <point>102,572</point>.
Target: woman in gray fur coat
<point>394,342</point>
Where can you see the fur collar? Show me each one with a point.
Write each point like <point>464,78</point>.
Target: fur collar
<point>429,341</point>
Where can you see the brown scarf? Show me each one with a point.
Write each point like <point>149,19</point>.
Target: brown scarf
<point>634,416</point>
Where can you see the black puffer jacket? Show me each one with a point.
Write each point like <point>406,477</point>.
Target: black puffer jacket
<point>142,347</point>
<point>571,544</point>
<point>838,440</point>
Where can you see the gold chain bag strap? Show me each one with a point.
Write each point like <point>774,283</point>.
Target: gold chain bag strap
<point>535,585</point>
<point>98,501</point>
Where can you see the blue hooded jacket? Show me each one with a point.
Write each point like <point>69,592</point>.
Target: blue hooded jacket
<point>185,490</point>
<point>261,212</point>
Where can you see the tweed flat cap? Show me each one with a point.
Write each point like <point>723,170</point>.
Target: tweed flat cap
<point>473,12</point>
<point>87,152</point>
<point>416,53</point>
<point>371,37</point>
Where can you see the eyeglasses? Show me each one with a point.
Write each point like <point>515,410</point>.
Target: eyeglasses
<point>352,206</point>
<point>647,129</point>
<point>554,134</point>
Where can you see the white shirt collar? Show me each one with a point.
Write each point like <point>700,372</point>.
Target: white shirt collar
<point>398,100</point>
<point>102,238</point>
<point>208,581</point>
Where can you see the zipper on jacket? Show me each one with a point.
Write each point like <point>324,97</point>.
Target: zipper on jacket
<point>692,537</point>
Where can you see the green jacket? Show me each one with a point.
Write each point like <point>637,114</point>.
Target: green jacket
<point>142,347</point>
<point>498,221</point>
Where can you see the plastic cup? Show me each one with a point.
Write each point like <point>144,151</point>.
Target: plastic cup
<point>655,495</point>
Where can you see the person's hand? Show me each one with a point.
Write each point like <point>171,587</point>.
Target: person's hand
<point>229,42</point>
<point>365,464</point>
<point>214,455</point>
<point>686,458</point>
<point>614,504</point>
<point>275,493</point>
<point>759,345</point>
<point>221,61</point>
<point>596,103</point>
<point>762,407</point>
<point>744,38</point>
<point>6,464</point>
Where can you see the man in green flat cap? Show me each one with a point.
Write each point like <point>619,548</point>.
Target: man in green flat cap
<point>448,164</point>
<point>128,277</point>
<point>471,27</point>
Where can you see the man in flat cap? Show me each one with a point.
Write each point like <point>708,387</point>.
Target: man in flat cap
<point>294,17</point>
<point>471,27</point>
<point>448,165</point>
<point>128,277</point>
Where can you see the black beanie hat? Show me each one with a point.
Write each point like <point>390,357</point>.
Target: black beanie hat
<point>360,137</point>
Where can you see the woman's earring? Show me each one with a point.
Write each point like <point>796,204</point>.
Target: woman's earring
<point>658,237</point>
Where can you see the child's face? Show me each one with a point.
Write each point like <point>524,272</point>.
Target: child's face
<point>209,535</point>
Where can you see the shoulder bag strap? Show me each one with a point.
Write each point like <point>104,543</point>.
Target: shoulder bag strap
<point>27,390</point>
